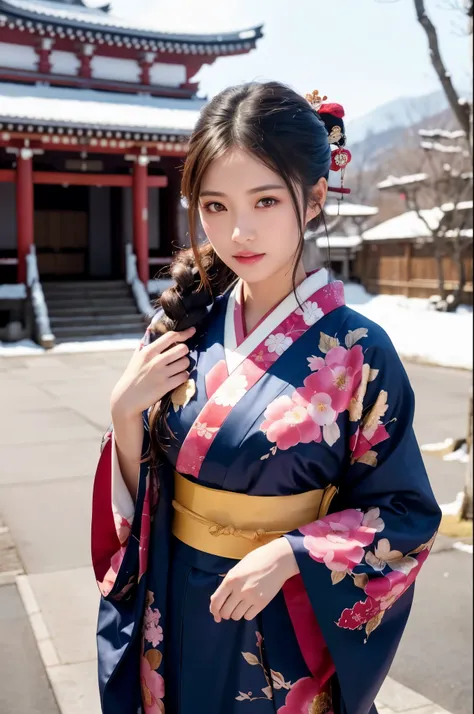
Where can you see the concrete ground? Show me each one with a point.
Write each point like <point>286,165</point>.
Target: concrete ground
<point>54,411</point>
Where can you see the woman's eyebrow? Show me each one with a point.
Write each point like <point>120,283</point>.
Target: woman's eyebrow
<point>257,189</point>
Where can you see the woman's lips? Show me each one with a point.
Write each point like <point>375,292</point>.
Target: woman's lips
<point>249,258</point>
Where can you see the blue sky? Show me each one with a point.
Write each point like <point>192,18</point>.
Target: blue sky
<point>361,53</point>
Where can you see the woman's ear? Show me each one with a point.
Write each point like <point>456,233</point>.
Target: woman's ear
<point>317,199</point>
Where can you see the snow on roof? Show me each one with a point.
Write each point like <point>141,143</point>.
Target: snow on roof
<point>442,134</point>
<point>60,106</point>
<point>461,206</point>
<point>395,181</point>
<point>96,17</point>
<point>349,209</point>
<point>407,225</point>
<point>464,233</point>
<point>443,148</point>
<point>339,241</point>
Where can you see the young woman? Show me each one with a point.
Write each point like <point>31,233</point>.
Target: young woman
<point>257,404</point>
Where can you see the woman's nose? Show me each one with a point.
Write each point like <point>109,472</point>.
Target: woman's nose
<point>242,234</point>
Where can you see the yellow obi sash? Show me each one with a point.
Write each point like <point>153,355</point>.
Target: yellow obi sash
<point>230,524</point>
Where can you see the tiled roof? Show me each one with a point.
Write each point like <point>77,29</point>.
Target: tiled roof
<point>57,106</point>
<point>97,19</point>
<point>408,225</point>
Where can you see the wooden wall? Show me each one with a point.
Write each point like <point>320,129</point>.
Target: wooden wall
<point>403,268</point>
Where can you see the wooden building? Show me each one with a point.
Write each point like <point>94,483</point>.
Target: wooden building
<point>95,116</point>
<point>397,256</point>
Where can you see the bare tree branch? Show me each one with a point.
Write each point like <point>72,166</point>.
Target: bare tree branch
<point>460,110</point>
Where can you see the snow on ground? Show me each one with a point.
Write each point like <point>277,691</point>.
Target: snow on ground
<point>416,329</point>
<point>27,348</point>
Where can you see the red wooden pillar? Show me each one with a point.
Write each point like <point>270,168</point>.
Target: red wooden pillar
<point>140,217</point>
<point>24,209</point>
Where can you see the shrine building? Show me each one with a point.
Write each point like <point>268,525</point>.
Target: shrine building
<point>95,116</point>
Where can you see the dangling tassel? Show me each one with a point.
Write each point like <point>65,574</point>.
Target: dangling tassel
<point>340,160</point>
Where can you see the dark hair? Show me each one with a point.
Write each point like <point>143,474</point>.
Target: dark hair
<point>283,131</point>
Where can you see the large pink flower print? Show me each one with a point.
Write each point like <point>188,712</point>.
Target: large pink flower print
<point>338,540</point>
<point>288,423</point>
<point>387,589</point>
<point>382,592</point>
<point>153,688</point>
<point>338,378</point>
<point>305,698</point>
<point>359,443</point>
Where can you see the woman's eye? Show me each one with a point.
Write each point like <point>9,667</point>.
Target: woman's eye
<point>214,207</point>
<point>267,202</point>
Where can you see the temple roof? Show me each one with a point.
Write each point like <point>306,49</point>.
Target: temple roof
<point>77,16</point>
<point>37,107</point>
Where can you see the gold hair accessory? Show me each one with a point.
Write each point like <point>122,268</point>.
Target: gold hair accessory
<point>336,135</point>
<point>315,99</point>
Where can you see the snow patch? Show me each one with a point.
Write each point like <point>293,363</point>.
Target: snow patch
<point>28,348</point>
<point>417,330</point>
<point>13,292</point>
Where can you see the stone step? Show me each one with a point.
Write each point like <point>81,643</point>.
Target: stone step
<point>99,284</point>
<point>70,333</point>
<point>112,294</point>
<point>95,309</point>
<point>98,321</point>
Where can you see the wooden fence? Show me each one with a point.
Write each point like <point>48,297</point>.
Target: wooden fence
<point>403,268</point>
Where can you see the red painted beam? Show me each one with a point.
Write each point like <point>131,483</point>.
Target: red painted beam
<point>75,179</point>
<point>55,178</point>
<point>71,179</point>
<point>157,181</point>
<point>121,147</point>
<point>7,176</point>
<point>140,219</point>
<point>24,210</point>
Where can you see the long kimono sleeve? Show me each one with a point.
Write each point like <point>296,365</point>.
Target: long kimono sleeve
<point>358,564</point>
<point>121,528</point>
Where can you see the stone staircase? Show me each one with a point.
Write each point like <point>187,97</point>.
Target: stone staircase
<point>92,309</point>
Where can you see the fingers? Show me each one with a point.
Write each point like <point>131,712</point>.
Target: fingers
<point>169,339</point>
<point>240,611</point>
<point>174,353</point>
<point>219,598</point>
<point>181,365</point>
<point>232,603</point>
<point>176,381</point>
<point>252,613</point>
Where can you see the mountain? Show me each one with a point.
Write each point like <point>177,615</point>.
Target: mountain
<point>399,113</point>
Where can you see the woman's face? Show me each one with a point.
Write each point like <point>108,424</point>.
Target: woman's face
<point>248,216</point>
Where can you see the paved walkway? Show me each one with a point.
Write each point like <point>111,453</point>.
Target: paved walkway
<point>55,409</point>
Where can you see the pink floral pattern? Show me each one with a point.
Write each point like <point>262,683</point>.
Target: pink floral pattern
<point>152,682</point>
<point>325,394</point>
<point>305,697</point>
<point>153,688</point>
<point>152,630</point>
<point>338,540</point>
<point>288,423</point>
<point>197,442</point>
<point>382,592</point>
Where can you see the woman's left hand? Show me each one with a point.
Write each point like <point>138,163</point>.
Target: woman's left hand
<point>251,584</point>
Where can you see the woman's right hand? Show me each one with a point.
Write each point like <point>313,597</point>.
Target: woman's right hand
<point>152,372</point>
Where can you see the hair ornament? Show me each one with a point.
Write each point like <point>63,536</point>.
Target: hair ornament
<point>315,100</point>
<point>332,115</point>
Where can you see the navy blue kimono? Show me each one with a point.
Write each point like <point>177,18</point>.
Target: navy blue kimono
<point>314,396</point>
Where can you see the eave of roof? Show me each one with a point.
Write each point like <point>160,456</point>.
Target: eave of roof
<point>98,21</point>
<point>89,109</point>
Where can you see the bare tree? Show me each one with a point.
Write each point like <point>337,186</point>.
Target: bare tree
<point>461,108</point>
<point>437,176</point>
